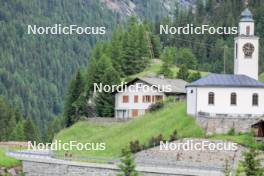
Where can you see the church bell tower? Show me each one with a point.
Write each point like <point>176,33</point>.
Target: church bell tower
<point>246,48</point>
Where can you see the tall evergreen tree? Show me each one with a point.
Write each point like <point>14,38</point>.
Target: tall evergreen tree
<point>31,131</point>
<point>75,89</point>
<point>18,133</point>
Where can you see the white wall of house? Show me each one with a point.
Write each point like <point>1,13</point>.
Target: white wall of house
<point>222,102</point>
<point>130,105</point>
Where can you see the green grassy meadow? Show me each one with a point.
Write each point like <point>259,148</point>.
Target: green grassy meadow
<point>6,161</point>
<point>155,66</point>
<point>118,136</point>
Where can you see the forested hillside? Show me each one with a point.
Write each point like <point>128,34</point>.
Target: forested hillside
<point>36,69</point>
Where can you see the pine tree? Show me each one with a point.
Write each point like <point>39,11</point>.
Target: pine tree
<point>183,73</point>
<point>18,132</point>
<point>155,41</point>
<point>30,130</point>
<point>167,58</point>
<point>105,100</point>
<point>75,89</point>
<point>127,165</point>
<point>187,58</point>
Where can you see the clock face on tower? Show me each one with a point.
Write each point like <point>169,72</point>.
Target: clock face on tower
<point>248,49</point>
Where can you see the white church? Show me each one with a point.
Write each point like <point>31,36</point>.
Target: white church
<point>236,100</point>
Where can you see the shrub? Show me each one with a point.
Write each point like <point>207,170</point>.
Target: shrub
<point>154,141</point>
<point>173,136</point>
<point>157,106</point>
<point>231,132</point>
<point>135,146</point>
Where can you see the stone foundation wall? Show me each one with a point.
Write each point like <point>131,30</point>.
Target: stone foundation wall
<point>224,124</point>
<point>33,168</point>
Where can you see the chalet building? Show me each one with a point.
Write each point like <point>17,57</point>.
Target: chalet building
<point>137,100</point>
<point>224,101</point>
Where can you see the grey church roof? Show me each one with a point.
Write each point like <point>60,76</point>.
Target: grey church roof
<point>246,15</point>
<point>226,80</point>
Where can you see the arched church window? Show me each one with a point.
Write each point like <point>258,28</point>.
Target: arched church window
<point>248,30</point>
<point>211,98</point>
<point>233,98</point>
<point>255,99</point>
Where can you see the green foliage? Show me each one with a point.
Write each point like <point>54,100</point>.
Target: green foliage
<point>127,165</point>
<point>252,164</point>
<point>156,106</point>
<point>155,41</point>
<point>183,73</point>
<point>135,146</point>
<point>8,121</point>
<point>31,131</point>
<point>155,141</point>
<point>74,92</point>
<point>105,101</point>
<point>173,136</point>
<point>6,161</point>
<point>186,57</point>
<point>193,76</point>
<point>18,132</point>
<point>167,58</point>
<point>53,128</point>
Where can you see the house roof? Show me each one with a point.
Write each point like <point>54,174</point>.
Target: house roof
<point>226,80</point>
<point>177,85</point>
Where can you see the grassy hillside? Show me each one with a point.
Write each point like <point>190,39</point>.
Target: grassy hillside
<point>155,67</point>
<point>6,161</point>
<point>118,136</point>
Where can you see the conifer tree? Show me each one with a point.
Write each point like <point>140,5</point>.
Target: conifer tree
<point>18,132</point>
<point>155,41</point>
<point>30,130</point>
<point>105,100</point>
<point>127,165</point>
<point>167,58</point>
<point>194,76</point>
<point>75,89</point>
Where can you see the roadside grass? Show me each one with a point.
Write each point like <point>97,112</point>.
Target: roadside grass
<point>6,161</point>
<point>117,137</point>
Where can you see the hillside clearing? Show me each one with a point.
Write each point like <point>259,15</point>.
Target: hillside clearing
<point>155,66</point>
<point>118,136</point>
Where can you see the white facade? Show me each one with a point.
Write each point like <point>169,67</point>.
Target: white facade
<point>198,101</point>
<point>134,108</point>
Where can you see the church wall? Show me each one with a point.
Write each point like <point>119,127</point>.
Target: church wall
<point>222,101</point>
<point>191,100</point>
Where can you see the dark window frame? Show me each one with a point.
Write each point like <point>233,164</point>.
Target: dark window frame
<point>211,98</point>
<point>233,99</point>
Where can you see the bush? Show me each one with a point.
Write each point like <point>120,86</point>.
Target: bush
<point>154,141</point>
<point>135,146</point>
<point>173,137</point>
<point>231,132</point>
<point>157,106</point>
